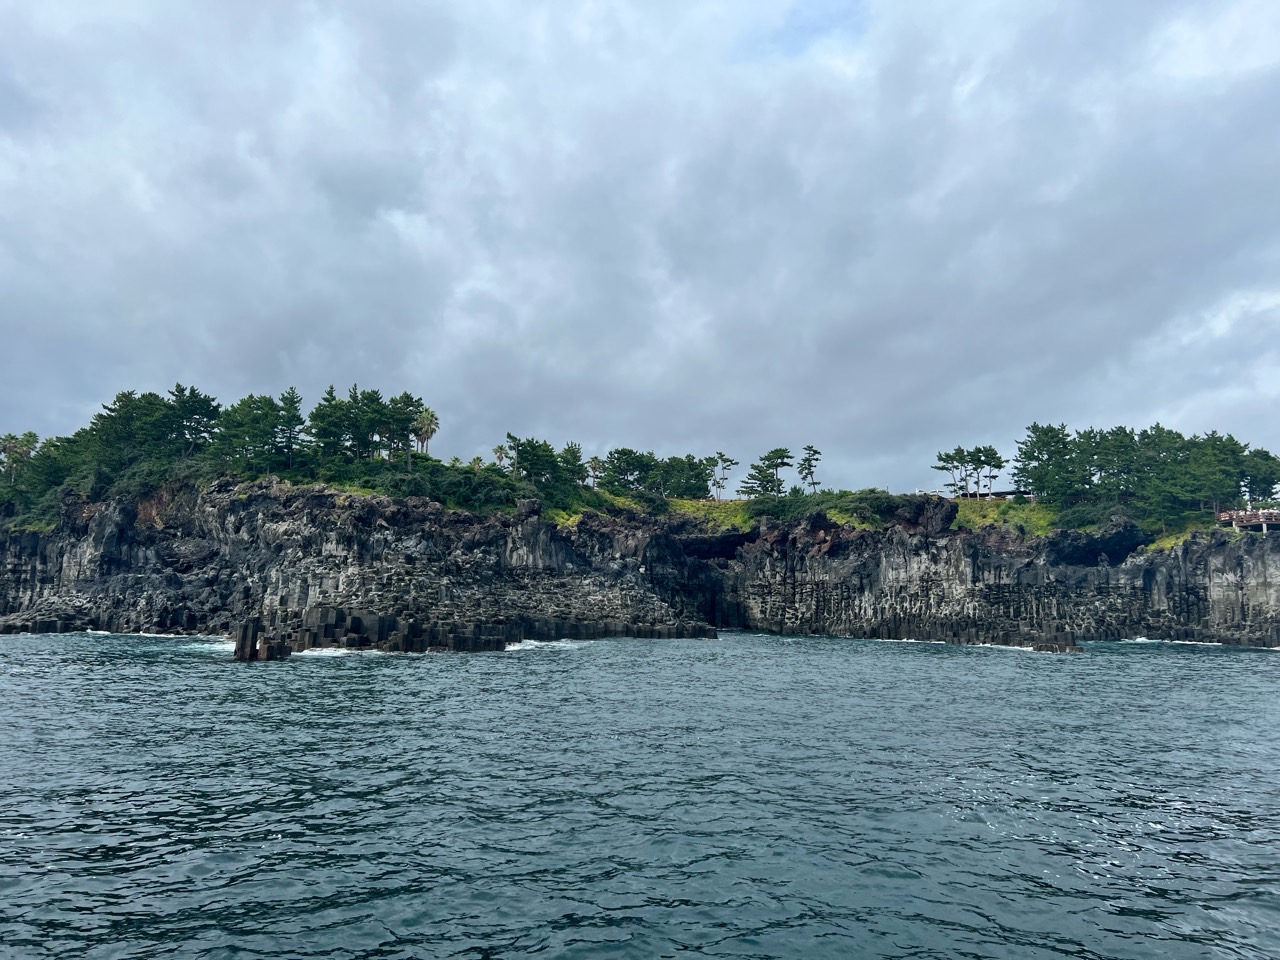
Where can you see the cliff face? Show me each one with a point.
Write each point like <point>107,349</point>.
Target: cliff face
<point>201,562</point>
<point>999,587</point>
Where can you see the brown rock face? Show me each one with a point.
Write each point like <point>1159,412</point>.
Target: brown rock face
<point>273,554</point>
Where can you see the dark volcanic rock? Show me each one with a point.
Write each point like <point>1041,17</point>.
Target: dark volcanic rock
<point>187,562</point>
<point>409,575</point>
<point>928,515</point>
<point>1113,543</point>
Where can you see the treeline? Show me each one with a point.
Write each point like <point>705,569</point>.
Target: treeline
<point>364,439</point>
<point>1156,475</point>
<point>140,441</point>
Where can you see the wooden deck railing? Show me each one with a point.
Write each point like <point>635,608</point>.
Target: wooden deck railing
<point>1249,518</point>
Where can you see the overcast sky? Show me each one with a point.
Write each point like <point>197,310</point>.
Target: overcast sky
<point>883,227</point>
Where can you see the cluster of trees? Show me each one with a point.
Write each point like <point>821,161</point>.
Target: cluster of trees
<point>15,451</point>
<point>764,477</point>
<point>140,440</point>
<point>623,471</point>
<point>1156,474</point>
<point>629,472</point>
<point>971,469</point>
<point>261,433</point>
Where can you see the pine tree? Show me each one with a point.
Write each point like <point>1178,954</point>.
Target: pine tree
<point>328,425</point>
<point>720,480</point>
<point>289,423</point>
<point>764,477</point>
<point>808,466</point>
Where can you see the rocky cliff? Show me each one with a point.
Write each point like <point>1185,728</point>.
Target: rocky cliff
<point>190,561</point>
<point>997,586</point>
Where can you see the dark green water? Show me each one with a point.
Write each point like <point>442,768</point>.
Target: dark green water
<point>744,797</point>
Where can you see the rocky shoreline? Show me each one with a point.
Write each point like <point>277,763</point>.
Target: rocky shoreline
<point>335,628</point>
<point>284,563</point>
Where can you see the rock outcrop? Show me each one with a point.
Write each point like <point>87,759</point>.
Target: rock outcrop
<point>998,586</point>
<point>278,561</point>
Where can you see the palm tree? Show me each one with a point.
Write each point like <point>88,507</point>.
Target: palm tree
<point>500,454</point>
<point>9,450</point>
<point>595,466</point>
<point>27,444</point>
<point>425,426</point>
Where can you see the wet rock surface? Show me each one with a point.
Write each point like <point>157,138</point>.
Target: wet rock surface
<point>278,560</point>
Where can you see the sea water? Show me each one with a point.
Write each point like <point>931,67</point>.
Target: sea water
<point>750,796</point>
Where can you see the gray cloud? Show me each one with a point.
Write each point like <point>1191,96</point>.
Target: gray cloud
<point>884,228</point>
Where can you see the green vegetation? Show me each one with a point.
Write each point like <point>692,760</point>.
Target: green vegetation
<point>361,443</point>
<point>364,443</point>
<point>808,466</point>
<point>1033,517</point>
<point>1165,481</point>
<point>863,509</point>
<point>721,466</point>
<point>630,472</point>
<point>867,509</point>
<point>719,514</point>
<point>764,478</point>
<point>970,468</point>
<point>1169,541</point>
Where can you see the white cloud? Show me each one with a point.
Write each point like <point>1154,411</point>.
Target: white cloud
<point>602,221</point>
<point>1217,41</point>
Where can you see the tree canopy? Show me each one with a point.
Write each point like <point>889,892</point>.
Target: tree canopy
<point>139,441</point>
<point>1157,474</point>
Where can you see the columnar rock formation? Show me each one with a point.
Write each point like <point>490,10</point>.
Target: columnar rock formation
<point>996,586</point>
<point>205,562</point>
<point>280,559</point>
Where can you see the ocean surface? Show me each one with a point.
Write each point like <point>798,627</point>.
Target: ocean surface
<point>750,796</point>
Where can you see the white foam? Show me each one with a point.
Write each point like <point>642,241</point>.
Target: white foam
<point>904,640</point>
<point>338,652</point>
<point>561,644</point>
<point>1214,643</point>
<point>1152,641</point>
<point>212,646</point>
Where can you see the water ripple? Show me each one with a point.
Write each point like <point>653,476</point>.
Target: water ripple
<point>745,797</point>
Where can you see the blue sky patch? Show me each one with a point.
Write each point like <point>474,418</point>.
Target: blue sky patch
<point>807,22</point>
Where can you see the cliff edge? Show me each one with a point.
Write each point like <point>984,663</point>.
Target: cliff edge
<point>192,561</point>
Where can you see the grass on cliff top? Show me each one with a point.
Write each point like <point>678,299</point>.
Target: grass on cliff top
<point>563,519</point>
<point>861,509</point>
<point>565,512</point>
<point>1178,534</point>
<point>1039,519</point>
<point>717,514</point>
<point>1169,541</point>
